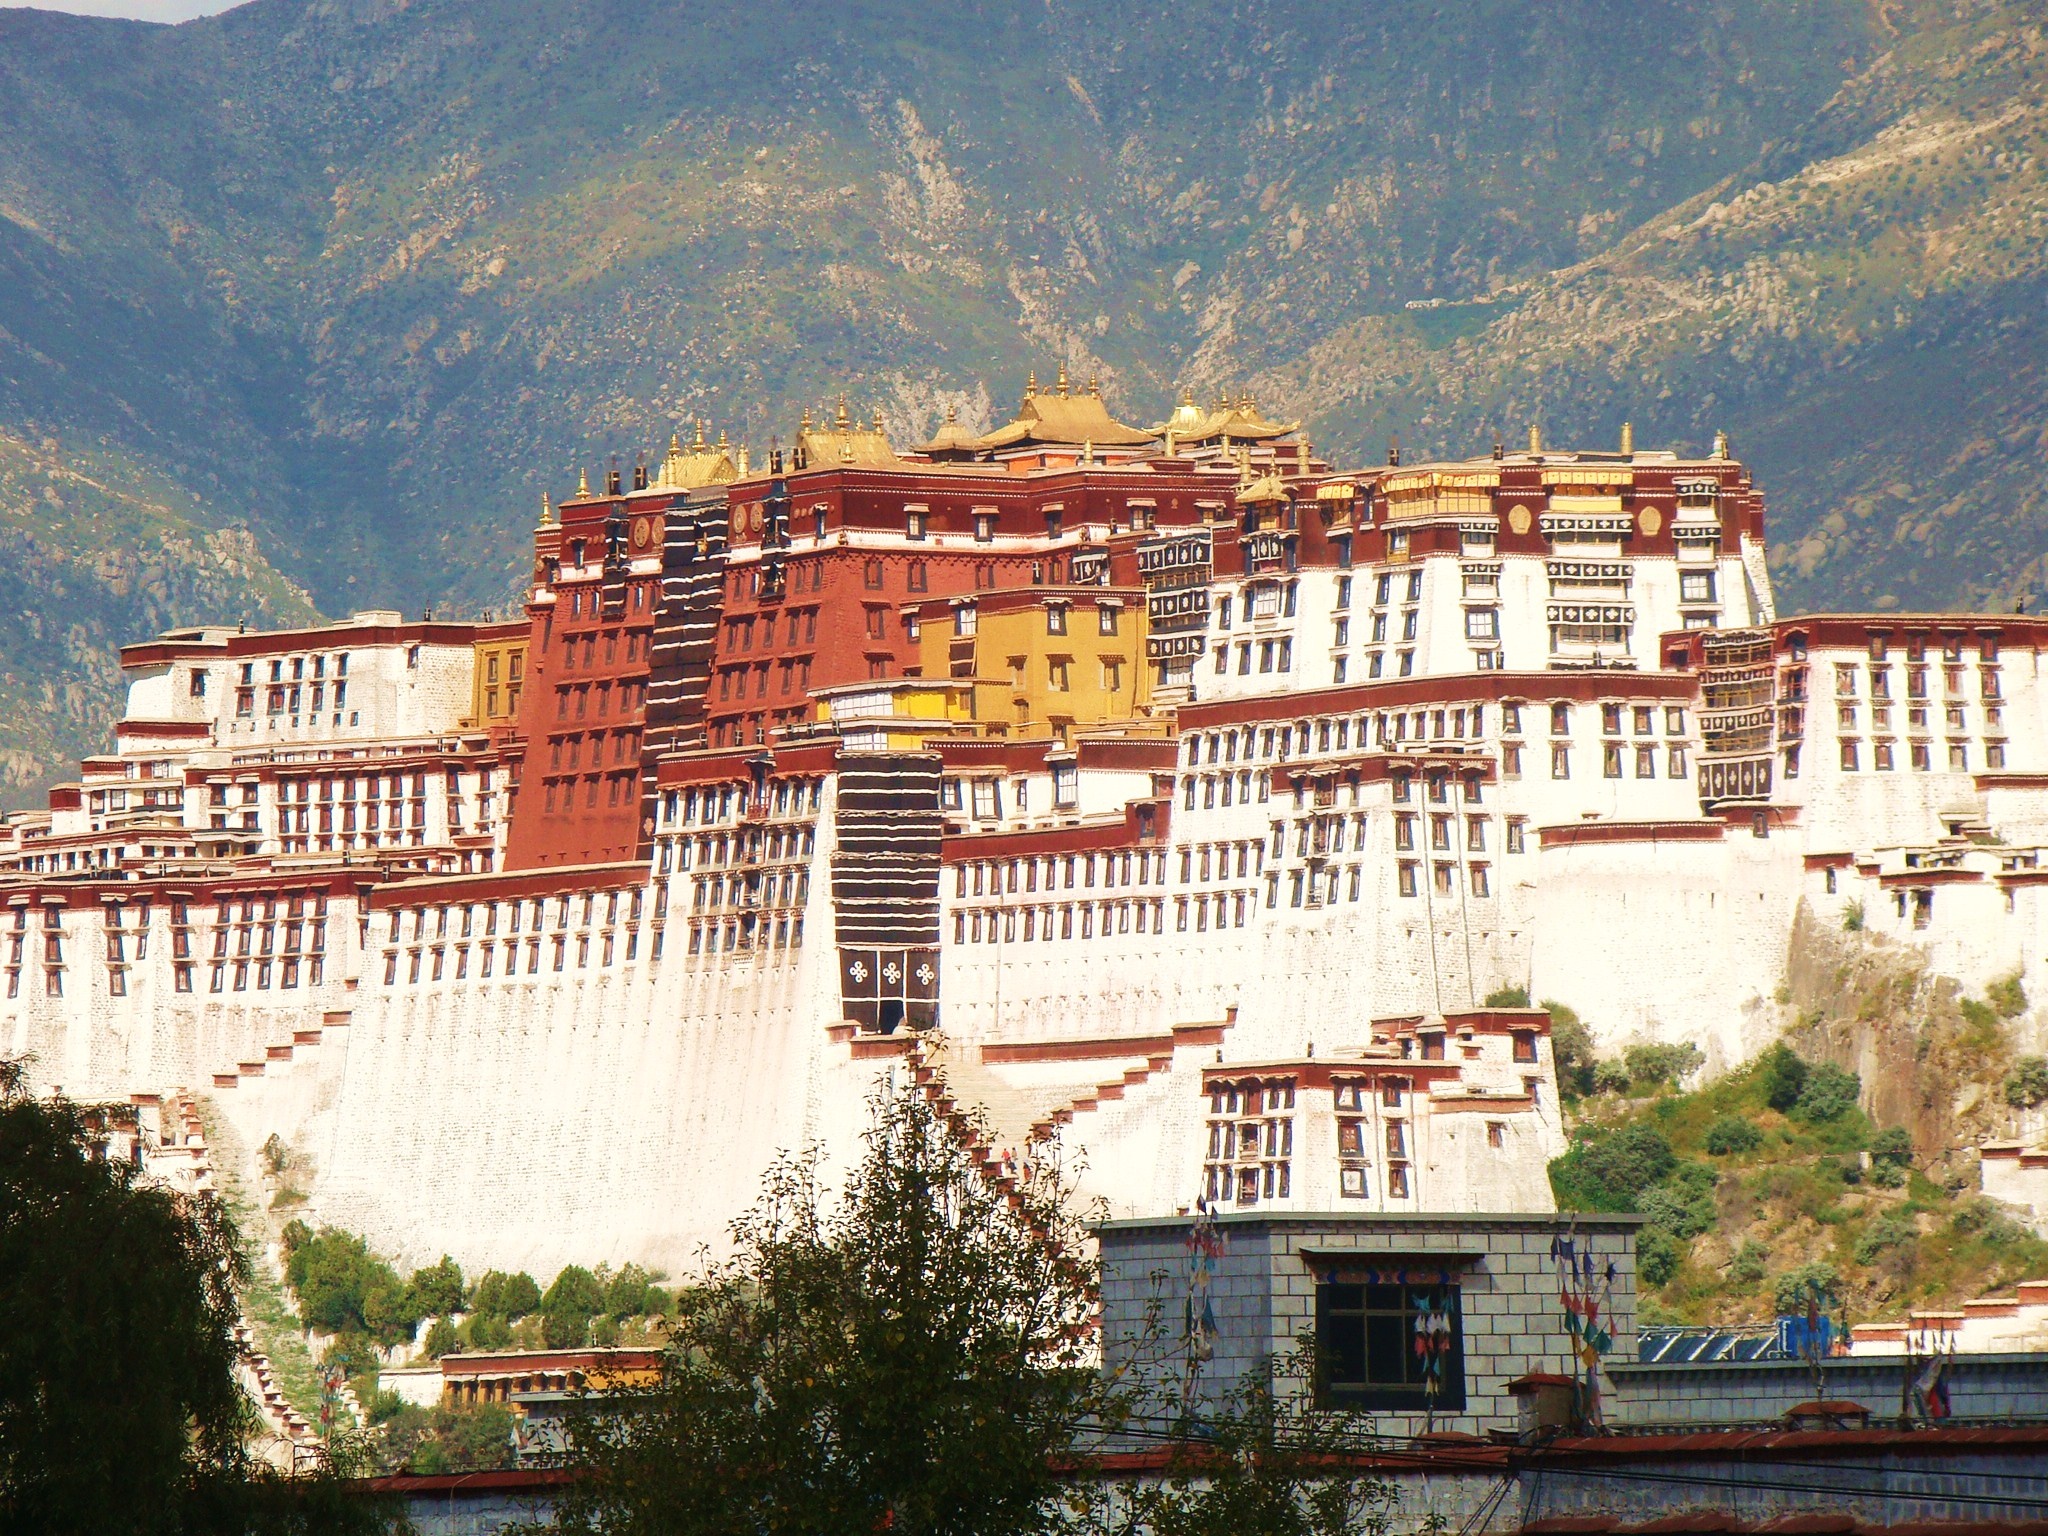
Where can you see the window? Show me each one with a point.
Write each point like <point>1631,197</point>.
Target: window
<point>1055,618</point>
<point>1106,618</point>
<point>1560,762</point>
<point>1696,586</point>
<point>1389,1347</point>
<point>1482,624</point>
<point>984,527</point>
<point>1057,674</point>
<point>1848,757</point>
<point>1560,719</point>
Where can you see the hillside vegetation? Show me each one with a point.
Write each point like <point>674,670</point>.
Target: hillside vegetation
<point>1772,1174</point>
<point>302,306</point>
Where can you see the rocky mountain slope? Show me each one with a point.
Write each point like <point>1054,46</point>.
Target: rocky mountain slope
<point>302,306</point>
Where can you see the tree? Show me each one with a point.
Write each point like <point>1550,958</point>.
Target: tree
<point>568,1307</point>
<point>1571,1045</point>
<point>1783,1076</point>
<point>343,1288</point>
<point>508,1296</point>
<point>1828,1093</point>
<point>2027,1084</point>
<point>913,1357</point>
<point>119,1407</point>
<point>436,1290</point>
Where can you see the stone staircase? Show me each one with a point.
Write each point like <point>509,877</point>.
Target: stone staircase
<point>279,1053</point>
<point>183,1161</point>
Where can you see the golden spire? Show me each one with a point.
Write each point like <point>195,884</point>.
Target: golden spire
<point>805,424</point>
<point>1094,387</point>
<point>1628,438</point>
<point>1223,402</point>
<point>1061,383</point>
<point>721,439</point>
<point>951,415</point>
<point>1187,397</point>
<point>878,418</point>
<point>1169,442</point>
<point>1087,450</point>
<point>1244,402</point>
<point>582,483</point>
<point>675,443</point>
<point>699,443</point>
<point>841,420</point>
<point>547,511</point>
<point>1535,438</point>
<point>744,467</point>
<point>1030,384</point>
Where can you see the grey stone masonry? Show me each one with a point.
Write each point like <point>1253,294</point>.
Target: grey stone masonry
<point>1263,1294</point>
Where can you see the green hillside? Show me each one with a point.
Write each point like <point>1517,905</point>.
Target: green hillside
<point>354,281</point>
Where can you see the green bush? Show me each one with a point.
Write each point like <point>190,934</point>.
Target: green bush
<point>1610,1077</point>
<point>569,1305</point>
<point>439,1440</point>
<point>1571,1045</point>
<point>1893,1144</point>
<point>1887,1175</point>
<point>1828,1094</point>
<point>1678,1211</point>
<point>1614,1171</point>
<point>2027,1084</point>
<point>507,1296</point>
<point>1731,1134</point>
<point>342,1288</point>
<point>383,1405</point>
<point>1658,1255</point>
<point>1750,1263</point>
<point>486,1330</point>
<point>631,1293</point>
<point>2007,996</point>
<point>442,1339</point>
<point>1507,997</point>
<point>1852,917</point>
<point>1891,1231</point>
<point>1649,1066</point>
<point>437,1289</point>
<point>1790,1293</point>
<point>1783,1076</point>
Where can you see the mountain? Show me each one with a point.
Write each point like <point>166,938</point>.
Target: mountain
<point>303,306</point>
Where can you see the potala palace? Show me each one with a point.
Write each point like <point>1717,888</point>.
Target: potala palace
<point>1167,788</point>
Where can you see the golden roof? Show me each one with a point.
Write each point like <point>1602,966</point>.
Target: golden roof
<point>1238,421</point>
<point>1265,488</point>
<point>700,465</point>
<point>844,443</point>
<point>950,438</point>
<point>1065,418</point>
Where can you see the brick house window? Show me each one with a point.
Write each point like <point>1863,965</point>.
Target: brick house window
<point>1368,1336</point>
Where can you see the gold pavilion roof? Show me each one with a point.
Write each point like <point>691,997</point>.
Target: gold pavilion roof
<point>700,465</point>
<point>951,438</point>
<point>1064,418</point>
<point>845,443</point>
<point>1230,421</point>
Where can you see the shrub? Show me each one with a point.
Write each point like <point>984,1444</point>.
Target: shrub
<point>1652,1065</point>
<point>630,1293</point>
<point>1887,1175</point>
<point>569,1305</point>
<point>1891,1231</point>
<point>1610,1077</point>
<point>1893,1144</point>
<point>1614,1172</point>
<point>275,1155</point>
<point>2027,1084</point>
<point>1828,1094</point>
<point>1731,1134</point>
<point>1658,1255</point>
<point>1679,1212</point>
<point>437,1289</point>
<point>442,1339</point>
<point>1750,1263</point>
<point>383,1405</point>
<point>2007,996</point>
<point>486,1330</point>
<point>1508,997</point>
<point>1783,1076</point>
<point>1852,917</point>
<point>507,1296</point>
<point>1571,1045</point>
<point>1790,1293</point>
<point>1982,1219</point>
<point>343,1288</point>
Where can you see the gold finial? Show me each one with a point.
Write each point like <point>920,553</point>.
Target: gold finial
<point>951,415</point>
<point>675,443</point>
<point>721,439</point>
<point>1169,442</point>
<point>1061,383</point>
<point>547,511</point>
<point>1223,402</point>
<point>841,420</point>
<point>697,442</point>
<point>1094,387</point>
<point>582,484</point>
<point>1628,437</point>
<point>805,424</point>
<point>1244,402</point>
<point>1030,384</point>
<point>1187,397</point>
<point>1087,450</point>
<point>878,419</point>
<point>1535,438</point>
<point>744,467</point>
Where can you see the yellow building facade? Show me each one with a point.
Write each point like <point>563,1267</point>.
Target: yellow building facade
<point>497,681</point>
<point>1043,662</point>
